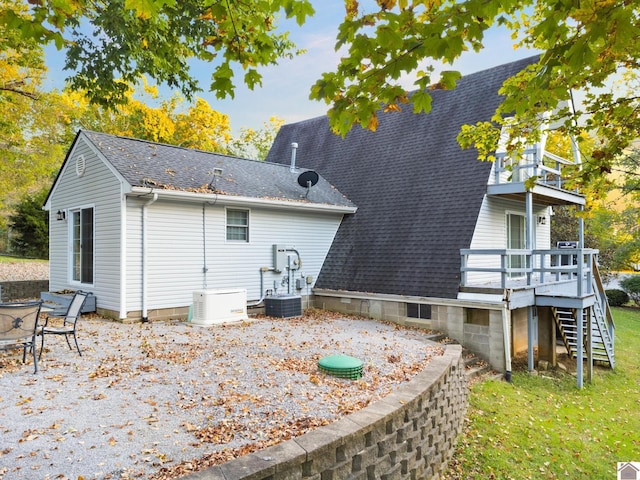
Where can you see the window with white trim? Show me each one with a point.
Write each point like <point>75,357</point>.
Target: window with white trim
<point>237,225</point>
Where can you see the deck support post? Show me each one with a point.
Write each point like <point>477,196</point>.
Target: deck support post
<point>589,347</point>
<point>529,234</point>
<point>506,332</point>
<point>579,346</point>
<point>531,331</point>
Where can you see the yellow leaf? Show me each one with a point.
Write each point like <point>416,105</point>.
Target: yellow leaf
<point>373,123</point>
<point>351,6</point>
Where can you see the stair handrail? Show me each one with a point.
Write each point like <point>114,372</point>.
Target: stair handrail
<point>599,287</point>
<point>603,305</point>
<point>597,316</point>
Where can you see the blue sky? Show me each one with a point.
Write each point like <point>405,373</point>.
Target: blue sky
<point>286,86</point>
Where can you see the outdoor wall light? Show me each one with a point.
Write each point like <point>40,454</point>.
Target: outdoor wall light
<point>61,215</point>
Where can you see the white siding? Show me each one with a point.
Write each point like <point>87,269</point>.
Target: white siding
<point>176,253</point>
<point>491,233</point>
<point>99,188</point>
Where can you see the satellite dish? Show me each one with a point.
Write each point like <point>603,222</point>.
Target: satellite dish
<point>308,179</point>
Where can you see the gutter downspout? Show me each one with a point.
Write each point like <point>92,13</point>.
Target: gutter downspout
<point>205,268</point>
<point>123,257</point>
<point>145,317</point>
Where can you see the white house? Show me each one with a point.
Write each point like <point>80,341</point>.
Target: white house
<point>444,241</point>
<point>143,226</point>
<point>439,239</point>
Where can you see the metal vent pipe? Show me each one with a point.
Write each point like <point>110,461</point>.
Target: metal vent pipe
<point>294,148</point>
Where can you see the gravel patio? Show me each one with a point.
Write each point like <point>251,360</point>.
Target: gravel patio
<point>161,400</point>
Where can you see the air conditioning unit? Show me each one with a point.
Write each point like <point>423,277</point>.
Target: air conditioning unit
<point>219,306</point>
<point>283,306</point>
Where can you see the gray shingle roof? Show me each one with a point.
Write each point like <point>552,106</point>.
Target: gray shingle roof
<point>418,193</point>
<point>142,163</point>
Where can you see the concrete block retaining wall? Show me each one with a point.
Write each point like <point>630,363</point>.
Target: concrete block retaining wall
<point>409,434</point>
<point>22,289</point>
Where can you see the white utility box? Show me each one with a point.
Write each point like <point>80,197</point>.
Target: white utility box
<point>219,306</point>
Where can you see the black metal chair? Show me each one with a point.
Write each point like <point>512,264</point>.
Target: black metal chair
<point>19,328</point>
<point>69,318</point>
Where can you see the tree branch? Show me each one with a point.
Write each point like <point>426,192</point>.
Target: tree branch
<point>14,88</point>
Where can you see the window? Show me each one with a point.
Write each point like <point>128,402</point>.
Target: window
<point>418,310</point>
<point>238,225</point>
<point>82,245</point>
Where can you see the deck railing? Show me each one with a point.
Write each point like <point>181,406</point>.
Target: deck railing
<point>516,268</point>
<point>546,170</point>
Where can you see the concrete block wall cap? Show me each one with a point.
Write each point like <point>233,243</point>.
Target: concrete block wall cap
<point>403,398</point>
<point>284,455</point>
<point>366,417</point>
<point>413,390</point>
<point>319,440</point>
<point>346,428</point>
<point>380,410</point>
<point>211,473</point>
<point>248,467</point>
<point>434,372</point>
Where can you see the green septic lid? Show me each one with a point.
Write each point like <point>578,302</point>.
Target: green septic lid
<point>341,366</point>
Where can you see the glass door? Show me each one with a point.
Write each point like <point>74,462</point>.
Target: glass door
<point>516,240</point>
<point>82,245</point>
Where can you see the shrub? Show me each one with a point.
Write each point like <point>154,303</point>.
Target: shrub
<point>30,226</point>
<point>631,285</point>
<point>617,297</point>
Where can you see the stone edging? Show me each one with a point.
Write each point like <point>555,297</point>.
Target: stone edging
<point>409,434</point>
<point>20,289</point>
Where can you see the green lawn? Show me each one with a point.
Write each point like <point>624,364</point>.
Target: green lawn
<point>8,259</point>
<point>545,427</point>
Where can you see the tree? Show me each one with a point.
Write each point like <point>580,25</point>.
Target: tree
<point>204,128</point>
<point>30,226</point>
<point>21,58</point>
<point>109,43</point>
<point>194,125</point>
<point>610,221</point>
<point>255,144</point>
<point>631,285</point>
<point>31,131</point>
<point>583,46</point>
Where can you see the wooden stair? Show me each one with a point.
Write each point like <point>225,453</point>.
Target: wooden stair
<point>601,342</point>
<point>597,325</point>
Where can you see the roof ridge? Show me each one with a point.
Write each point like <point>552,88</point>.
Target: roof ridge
<point>188,149</point>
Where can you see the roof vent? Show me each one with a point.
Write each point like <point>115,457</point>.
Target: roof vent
<point>217,172</point>
<point>294,148</point>
<point>81,165</point>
